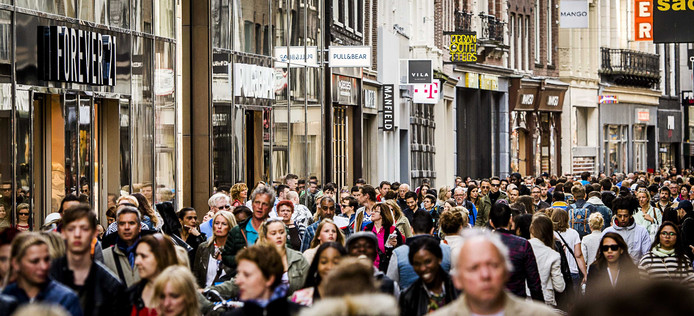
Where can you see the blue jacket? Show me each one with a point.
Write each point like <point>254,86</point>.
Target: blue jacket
<point>403,272</point>
<point>52,292</point>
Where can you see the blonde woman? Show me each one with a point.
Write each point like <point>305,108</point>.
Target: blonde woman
<point>274,232</point>
<point>591,242</point>
<point>327,231</point>
<point>239,194</point>
<point>208,267</point>
<point>175,293</point>
<point>445,193</point>
<point>401,221</point>
<point>647,216</point>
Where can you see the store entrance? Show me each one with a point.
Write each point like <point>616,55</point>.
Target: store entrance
<point>71,135</point>
<point>257,146</point>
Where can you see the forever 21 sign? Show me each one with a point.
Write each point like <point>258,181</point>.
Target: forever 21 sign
<point>70,55</point>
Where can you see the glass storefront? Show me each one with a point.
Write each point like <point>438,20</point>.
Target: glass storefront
<point>92,125</point>
<point>615,139</point>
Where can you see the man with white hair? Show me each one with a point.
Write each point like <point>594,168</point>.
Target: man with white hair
<point>217,202</point>
<point>483,268</point>
<point>402,190</point>
<point>301,216</point>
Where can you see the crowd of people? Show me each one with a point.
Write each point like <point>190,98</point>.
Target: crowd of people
<point>542,245</point>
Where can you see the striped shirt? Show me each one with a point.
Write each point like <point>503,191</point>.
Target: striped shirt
<point>655,267</point>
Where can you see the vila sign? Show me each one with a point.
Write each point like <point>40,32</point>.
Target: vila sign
<point>349,56</point>
<point>388,109</point>
<point>71,55</point>
<point>413,71</point>
<point>672,21</point>
<point>643,20</point>
<point>573,14</point>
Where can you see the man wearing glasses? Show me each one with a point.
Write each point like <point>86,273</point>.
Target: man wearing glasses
<point>488,200</point>
<point>217,202</point>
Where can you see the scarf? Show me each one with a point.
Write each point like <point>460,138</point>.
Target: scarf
<point>660,252</point>
<point>128,251</point>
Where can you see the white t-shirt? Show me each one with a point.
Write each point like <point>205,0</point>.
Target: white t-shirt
<point>572,239</point>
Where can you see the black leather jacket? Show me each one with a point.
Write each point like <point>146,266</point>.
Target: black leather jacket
<point>102,292</point>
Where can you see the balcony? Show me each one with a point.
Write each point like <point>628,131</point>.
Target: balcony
<point>492,28</point>
<point>630,68</point>
<point>463,21</point>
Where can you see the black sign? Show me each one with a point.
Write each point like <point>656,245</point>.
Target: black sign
<point>419,71</point>
<point>672,21</point>
<point>388,110</point>
<point>463,48</point>
<point>70,55</point>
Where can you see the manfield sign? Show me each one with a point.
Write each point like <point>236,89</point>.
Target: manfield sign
<point>672,21</point>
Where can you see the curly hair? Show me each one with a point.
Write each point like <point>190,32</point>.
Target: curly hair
<point>236,190</point>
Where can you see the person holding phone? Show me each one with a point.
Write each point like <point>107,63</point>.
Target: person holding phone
<point>389,237</point>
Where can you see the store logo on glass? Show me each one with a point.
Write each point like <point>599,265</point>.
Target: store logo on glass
<point>80,56</point>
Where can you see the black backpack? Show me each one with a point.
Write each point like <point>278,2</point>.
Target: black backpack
<point>564,299</point>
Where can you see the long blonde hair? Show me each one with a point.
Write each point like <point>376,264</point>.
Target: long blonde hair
<point>231,221</point>
<point>184,284</point>
<point>20,244</point>
<point>340,238</point>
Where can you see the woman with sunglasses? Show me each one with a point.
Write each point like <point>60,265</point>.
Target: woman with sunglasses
<point>23,216</point>
<point>612,266</point>
<point>667,259</point>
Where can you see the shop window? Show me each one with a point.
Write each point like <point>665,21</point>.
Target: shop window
<point>667,156</point>
<point>640,151</point>
<point>580,138</point>
<point>691,123</point>
<point>142,15</point>
<point>165,120</point>
<point>64,8</point>
<point>85,158</point>
<point>142,114</point>
<point>93,10</point>
<point>422,142</point>
<point>221,23</point>
<point>252,27</point>
<point>124,145</point>
<point>5,46</point>
<point>615,140</point>
<point>165,18</point>
<point>119,13</point>
<point>6,165</point>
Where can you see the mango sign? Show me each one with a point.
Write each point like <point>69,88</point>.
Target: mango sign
<point>643,19</point>
<point>672,21</point>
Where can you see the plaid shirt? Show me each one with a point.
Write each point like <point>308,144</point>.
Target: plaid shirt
<point>524,266</point>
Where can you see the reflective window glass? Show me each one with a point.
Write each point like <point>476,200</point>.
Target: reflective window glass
<point>223,151</point>
<point>251,27</point>
<point>85,159</point>
<point>6,165</point>
<point>125,143</point>
<point>66,8</point>
<point>165,13</point>
<point>71,144</point>
<point>165,118</point>
<point>221,24</point>
<point>119,13</point>
<point>142,15</point>
<point>5,46</point>
<point>25,145</point>
<point>142,114</point>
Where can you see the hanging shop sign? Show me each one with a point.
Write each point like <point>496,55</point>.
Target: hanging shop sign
<point>463,47</point>
<point>349,56</point>
<point>388,107</point>
<point>298,56</point>
<point>345,90</point>
<point>672,21</point>
<point>573,14</point>
<point>551,100</point>
<point>489,82</point>
<point>70,55</point>
<point>643,20</point>
<point>253,81</point>
<point>426,93</point>
<point>608,99</point>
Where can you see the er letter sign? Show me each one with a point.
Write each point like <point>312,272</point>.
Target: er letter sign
<point>643,20</point>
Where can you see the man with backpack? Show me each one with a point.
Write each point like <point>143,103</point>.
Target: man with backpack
<point>579,211</point>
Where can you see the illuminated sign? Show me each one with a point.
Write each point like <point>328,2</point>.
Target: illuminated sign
<point>463,47</point>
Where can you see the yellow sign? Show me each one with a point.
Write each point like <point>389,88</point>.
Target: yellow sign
<point>472,80</point>
<point>463,48</point>
<point>489,82</point>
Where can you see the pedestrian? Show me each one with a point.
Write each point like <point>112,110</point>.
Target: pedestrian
<point>366,196</point>
<point>120,258</point>
<point>24,222</point>
<point>239,194</point>
<point>326,210</point>
<point>217,202</point>
<point>30,264</point>
<point>595,198</point>
<point>285,210</point>
<point>483,267</point>
<point>612,267</point>
<point>452,225</point>
<point>100,292</point>
<point>401,221</point>
<point>389,237</point>
<point>434,287</point>
<point>521,255</point>
<point>189,232</point>
<point>647,216</point>
<point>327,231</point>
<point>580,210</point>
<point>208,267</point>
<point>399,268</point>
<point>246,233</point>
<point>6,237</point>
<point>538,202</point>
<point>667,259</point>
<point>548,260</point>
<point>259,280</point>
<point>328,256</point>
<point>175,293</point>
<point>155,253</point>
<point>590,244</point>
<point>149,216</point>
<point>637,237</point>
<point>571,244</point>
<point>365,245</point>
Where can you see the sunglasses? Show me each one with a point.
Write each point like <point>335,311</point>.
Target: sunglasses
<point>495,185</point>
<point>225,207</point>
<point>605,248</point>
<point>23,214</point>
<point>665,234</point>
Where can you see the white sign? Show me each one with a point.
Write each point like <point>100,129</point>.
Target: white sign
<point>553,100</point>
<point>369,98</point>
<point>298,57</point>
<point>349,56</point>
<point>164,81</point>
<point>573,14</point>
<point>253,81</point>
<point>426,93</point>
<point>670,122</point>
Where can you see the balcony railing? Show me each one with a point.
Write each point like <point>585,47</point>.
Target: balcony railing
<point>463,21</point>
<point>492,28</point>
<point>630,68</point>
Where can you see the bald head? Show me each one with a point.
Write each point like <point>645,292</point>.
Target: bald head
<point>403,189</point>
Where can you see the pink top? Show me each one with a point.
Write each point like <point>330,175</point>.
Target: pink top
<point>381,235</point>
